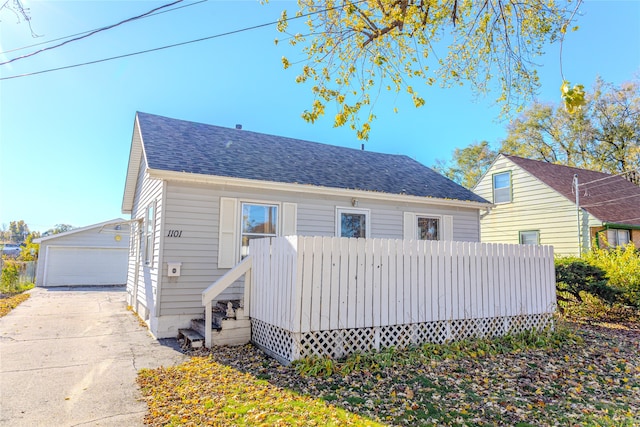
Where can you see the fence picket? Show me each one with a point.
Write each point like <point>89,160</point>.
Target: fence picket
<point>307,286</point>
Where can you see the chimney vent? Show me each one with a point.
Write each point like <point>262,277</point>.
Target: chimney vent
<point>239,126</point>
<point>362,147</point>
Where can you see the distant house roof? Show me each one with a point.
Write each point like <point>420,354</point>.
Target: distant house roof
<point>100,225</point>
<point>610,198</point>
<point>196,148</point>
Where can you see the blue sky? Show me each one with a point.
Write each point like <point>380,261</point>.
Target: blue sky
<point>65,135</point>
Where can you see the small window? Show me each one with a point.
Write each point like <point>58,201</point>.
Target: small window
<point>258,221</point>
<point>352,223</point>
<point>428,228</point>
<point>149,232</point>
<point>530,237</point>
<point>618,237</point>
<point>502,187</point>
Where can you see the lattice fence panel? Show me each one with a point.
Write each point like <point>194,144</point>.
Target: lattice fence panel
<point>343,342</point>
<point>273,338</point>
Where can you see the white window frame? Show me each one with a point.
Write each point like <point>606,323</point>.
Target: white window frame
<point>149,233</point>
<point>410,225</point>
<point>522,233</point>
<point>356,211</point>
<point>616,241</point>
<point>241,232</point>
<point>229,226</point>
<point>502,190</point>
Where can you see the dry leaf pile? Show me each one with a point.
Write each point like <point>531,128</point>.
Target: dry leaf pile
<point>594,382</point>
<point>9,302</point>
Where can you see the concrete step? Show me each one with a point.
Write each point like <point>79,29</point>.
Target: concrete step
<point>190,338</point>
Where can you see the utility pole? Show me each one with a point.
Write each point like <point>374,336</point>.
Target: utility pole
<point>575,186</point>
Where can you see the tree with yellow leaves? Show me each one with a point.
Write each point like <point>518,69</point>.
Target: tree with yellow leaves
<point>355,48</point>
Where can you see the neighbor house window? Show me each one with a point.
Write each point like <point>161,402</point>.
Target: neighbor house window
<point>530,237</point>
<point>502,187</point>
<point>617,237</point>
<point>428,228</point>
<point>258,220</point>
<point>352,223</point>
<point>149,232</point>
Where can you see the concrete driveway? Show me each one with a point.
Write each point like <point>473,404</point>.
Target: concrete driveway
<point>69,357</point>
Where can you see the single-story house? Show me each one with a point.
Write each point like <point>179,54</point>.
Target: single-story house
<point>198,193</point>
<point>549,204</point>
<point>95,255</point>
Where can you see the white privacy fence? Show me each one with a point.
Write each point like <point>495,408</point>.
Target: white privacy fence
<point>335,296</point>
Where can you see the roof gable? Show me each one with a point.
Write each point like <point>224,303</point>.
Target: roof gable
<point>609,198</point>
<point>99,225</point>
<point>196,148</point>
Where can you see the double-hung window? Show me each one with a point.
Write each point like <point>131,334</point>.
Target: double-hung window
<point>258,220</point>
<point>617,237</point>
<point>149,232</point>
<point>352,223</point>
<point>502,187</point>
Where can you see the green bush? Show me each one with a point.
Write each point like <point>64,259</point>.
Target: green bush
<point>575,276</point>
<point>10,279</point>
<point>622,268</point>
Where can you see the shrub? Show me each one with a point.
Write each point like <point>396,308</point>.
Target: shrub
<point>575,276</point>
<point>10,278</point>
<point>622,268</point>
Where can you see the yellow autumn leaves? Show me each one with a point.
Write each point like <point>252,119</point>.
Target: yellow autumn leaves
<point>356,49</point>
<point>203,392</point>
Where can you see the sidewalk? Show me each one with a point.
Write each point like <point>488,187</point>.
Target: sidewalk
<point>69,357</point>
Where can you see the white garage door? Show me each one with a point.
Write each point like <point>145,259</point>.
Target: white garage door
<point>85,266</point>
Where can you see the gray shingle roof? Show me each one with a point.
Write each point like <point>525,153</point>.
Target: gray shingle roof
<point>183,146</point>
<point>608,197</point>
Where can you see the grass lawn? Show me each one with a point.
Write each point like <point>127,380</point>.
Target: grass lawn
<point>585,375</point>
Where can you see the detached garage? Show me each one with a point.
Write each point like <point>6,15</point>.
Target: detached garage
<point>90,256</point>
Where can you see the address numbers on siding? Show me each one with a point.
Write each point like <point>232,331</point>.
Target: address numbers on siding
<point>174,233</point>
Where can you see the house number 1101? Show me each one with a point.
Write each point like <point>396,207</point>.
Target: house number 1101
<point>174,233</point>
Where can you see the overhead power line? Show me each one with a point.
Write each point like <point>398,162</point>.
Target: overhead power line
<point>609,201</point>
<point>95,29</point>
<point>228,33</point>
<point>608,177</point>
<point>91,33</point>
<point>97,61</point>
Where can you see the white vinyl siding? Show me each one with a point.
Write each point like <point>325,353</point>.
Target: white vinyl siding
<point>193,213</point>
<point>535,206</point>
<point>195,210</point>
<point>142,280</point>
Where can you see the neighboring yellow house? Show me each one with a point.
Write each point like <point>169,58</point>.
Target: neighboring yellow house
<point>535,203</point>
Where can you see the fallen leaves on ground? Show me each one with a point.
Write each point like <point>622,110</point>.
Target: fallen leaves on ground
<point>595,382</point>
<point>8,303</point>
